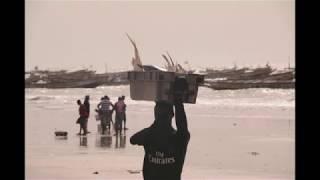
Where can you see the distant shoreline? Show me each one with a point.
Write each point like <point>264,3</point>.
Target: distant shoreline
<point>232,78</point>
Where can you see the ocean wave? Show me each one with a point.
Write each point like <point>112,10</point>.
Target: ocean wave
<point>206,96</point>
<point>36,98</point>
<point>244,103</point>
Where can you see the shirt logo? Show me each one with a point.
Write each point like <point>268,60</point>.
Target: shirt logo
<point>160,159</point>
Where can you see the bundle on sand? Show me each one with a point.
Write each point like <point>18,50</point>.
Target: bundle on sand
<point>61,133</point>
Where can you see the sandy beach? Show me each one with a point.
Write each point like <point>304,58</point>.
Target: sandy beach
<point>235,135</point>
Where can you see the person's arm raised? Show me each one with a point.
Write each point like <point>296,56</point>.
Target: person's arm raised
<point>181,119</point>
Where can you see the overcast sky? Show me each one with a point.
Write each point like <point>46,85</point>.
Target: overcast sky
<point>75,34</point>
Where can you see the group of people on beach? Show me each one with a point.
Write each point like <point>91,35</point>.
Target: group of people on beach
<point>105,109</point>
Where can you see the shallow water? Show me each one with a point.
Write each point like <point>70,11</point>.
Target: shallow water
<point>242,134</point>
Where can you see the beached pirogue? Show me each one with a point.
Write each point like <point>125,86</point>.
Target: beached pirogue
<point>62,79</point>
<point>76,79</point>
<point>244,78</point>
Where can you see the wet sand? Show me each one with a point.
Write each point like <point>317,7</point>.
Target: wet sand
<point>227,143</point>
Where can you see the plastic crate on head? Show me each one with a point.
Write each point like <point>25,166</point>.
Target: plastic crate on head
<point>160,85</point>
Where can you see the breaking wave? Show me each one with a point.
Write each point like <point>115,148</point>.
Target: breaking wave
<point>36,98</point>
<point>206,96</point>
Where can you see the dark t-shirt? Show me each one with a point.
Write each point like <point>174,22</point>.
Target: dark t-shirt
<point>87,105</point>
<point>83,112</point>
<point>165,149</point>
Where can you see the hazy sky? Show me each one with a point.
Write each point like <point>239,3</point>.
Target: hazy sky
<point>75,34</point>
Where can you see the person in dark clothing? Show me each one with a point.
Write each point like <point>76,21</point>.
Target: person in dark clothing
<point>124,115</point>
<point>165,148</point>
<point>120,108</point>
<point>87,105</point>
<point>109,115</point>
<point>83,116</point>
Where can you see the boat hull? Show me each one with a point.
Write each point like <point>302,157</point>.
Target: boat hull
<point>77,84</point>
<point>245,85</point>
